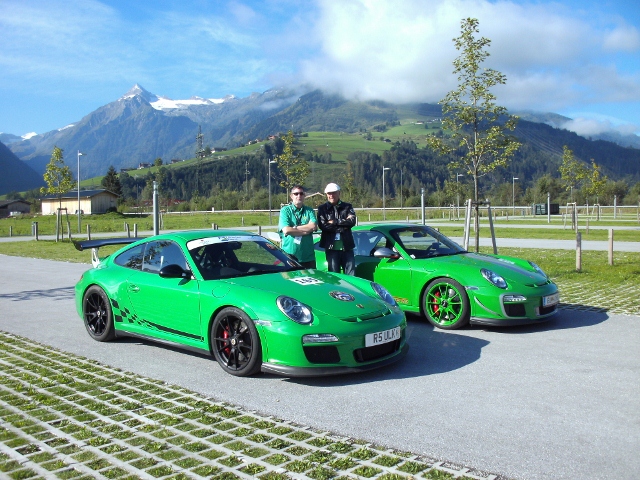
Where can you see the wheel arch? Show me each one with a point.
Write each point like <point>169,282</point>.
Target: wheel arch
<point>428,280</point>
<point>248,311</point>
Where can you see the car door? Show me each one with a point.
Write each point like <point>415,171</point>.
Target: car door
<point>167,308</point>
<point>393,274</point>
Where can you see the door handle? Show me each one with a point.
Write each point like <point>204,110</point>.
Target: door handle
<point>134,288</point>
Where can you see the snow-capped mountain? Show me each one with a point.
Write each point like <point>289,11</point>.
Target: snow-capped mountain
<point>141,126</point>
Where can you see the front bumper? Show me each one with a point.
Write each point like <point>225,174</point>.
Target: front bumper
<point>291,371</point>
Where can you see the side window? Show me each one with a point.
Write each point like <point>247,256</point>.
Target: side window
<point>131,258</point>
<point>161,253</point>
<point>367,242</point>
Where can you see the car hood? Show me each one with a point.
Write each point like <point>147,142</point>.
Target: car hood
<point>323,292</point>
<point>506,267</point>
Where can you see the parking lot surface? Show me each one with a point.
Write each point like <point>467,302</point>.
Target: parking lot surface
<point>557,400</point>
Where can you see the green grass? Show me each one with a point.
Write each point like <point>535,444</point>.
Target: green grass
<point>118,223</point>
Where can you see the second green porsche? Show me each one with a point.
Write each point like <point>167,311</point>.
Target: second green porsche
<point>430,274</point>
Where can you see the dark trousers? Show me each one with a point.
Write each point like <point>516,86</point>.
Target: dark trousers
<point>337,259</point>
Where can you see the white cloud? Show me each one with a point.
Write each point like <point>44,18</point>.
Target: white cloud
<point>591,125</point>
<point>623,38</point>
<point>552,56</point>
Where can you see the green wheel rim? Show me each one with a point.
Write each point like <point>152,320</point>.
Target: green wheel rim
<point>444,304</point>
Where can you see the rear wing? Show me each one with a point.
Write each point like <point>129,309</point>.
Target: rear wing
<point>95,245</point>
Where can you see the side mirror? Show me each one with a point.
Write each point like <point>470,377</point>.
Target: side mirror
<point>174,271</point>
<point>385,252</point>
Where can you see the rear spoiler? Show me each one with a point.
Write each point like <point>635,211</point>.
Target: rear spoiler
<point>95,245</point>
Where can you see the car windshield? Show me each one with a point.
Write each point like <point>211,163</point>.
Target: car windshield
<point>425,242</point>
<point>228,257</point>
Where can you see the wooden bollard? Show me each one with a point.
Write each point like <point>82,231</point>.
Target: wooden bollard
<point>611,246</point>
<point>578,252</point>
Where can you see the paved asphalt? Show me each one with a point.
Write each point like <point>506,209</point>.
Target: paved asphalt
<point>557,400</point>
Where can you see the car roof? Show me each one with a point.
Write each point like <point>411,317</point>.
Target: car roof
<point>188,235</point>
<point>386,226</point>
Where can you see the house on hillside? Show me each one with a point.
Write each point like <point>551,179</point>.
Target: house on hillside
<point>11,208</point>
<point>91,201</point>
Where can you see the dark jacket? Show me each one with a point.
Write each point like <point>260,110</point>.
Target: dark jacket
<point>345,218</point>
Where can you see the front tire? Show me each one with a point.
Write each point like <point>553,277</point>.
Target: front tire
<point>235,343</point>
<point>446,304</point>
<point>97,314</point>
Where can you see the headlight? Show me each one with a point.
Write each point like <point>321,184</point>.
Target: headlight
<point>538,269</point>
<point>494,278</point>
<point>384,294</point>
<point>296,311</point>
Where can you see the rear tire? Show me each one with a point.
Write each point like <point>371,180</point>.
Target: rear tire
<point>97,314</point>
<point>235,343</point>
<point>446,304</point>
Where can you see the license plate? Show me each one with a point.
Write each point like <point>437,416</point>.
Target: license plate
<point>550,299</point>
<point>378,338</point>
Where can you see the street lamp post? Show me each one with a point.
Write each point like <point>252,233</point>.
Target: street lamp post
<point>401,189</point>
<point>79,154</point>
<point>270,162</point>
<point>514,194</point>
<point>458,175</point>
<point>384,211</point>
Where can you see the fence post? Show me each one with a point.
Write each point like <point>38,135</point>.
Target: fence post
<point>578,252</point>
<point>259,229</point>
<point>88,232</point>
<point>135,230</point>
<point>611,246</point>
<point>126,229</point>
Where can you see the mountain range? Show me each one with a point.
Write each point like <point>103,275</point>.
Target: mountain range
<point>140,127</point>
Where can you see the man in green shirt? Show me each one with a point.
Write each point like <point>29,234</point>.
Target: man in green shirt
<point>296,226</point>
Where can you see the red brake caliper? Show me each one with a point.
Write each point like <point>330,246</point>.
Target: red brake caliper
<point>436,305</point>
<point>225,335</point>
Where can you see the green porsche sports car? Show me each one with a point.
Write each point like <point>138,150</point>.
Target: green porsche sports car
<point>238,297</point>
<point>430,274</point>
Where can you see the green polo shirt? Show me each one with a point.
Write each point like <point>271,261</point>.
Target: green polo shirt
<point>300,247</point>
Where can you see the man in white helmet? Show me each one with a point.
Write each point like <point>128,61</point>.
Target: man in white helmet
<point>335,219</point>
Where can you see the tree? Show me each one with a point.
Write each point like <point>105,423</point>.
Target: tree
<point>111,181</point>
<point>572,172</point>
<point>57,176</point>
<point>291,165</point>
<point>596,184</point>
<point>476,126</point>
<point>157,162</point>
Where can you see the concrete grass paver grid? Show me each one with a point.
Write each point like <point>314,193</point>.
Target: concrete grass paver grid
<point>64,416</point>
<point>585,295</point>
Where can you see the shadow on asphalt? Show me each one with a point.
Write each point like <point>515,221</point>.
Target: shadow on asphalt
<point>573,317</point>
<point>431,351</point>
<point>62,293</point>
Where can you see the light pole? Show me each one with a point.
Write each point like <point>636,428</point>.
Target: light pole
<point>514,194</point>
<point>384,211</point>
<point>401,189</point>
<point>270,162</point>
<point>458,175</point>
<point>79,154</point>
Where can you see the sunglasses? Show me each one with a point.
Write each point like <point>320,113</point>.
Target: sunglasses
<point>297,193</point>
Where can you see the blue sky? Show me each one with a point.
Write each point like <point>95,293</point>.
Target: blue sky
<point>62,59</point>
